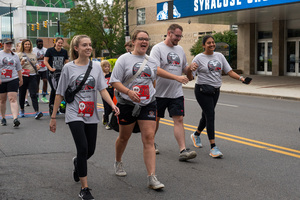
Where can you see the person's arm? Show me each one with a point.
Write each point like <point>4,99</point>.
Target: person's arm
<point>105,95</point>
<point>189,72</point>
<point>168,75</point>
<point>121,88</point>
<point>58,99</point>
<point>20,78</point>
<point>46,62</point>
<point>234,75</point>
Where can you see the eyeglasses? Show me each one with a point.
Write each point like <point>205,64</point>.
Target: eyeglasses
<point>142,39</point>
<point>179,36</point>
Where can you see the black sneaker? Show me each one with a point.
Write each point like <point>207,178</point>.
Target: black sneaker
<point>27,103</point>
<point>75,170</point>
<point>85,194</point>
<point>16,122</point>
<point>3,122</point>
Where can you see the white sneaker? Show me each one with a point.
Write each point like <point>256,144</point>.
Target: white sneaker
<point>153,183</point>
<point>119,170</point>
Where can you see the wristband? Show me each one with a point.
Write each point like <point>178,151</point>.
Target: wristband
<point>53,117</point>
<point>241,78</point>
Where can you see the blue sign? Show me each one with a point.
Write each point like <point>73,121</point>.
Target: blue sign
<point>162,11</point>
<point>187,8</point>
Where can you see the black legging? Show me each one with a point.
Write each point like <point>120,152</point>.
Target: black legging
<point>29,83</point>
<point>107,107</point>
<point>207,104</point>
<point>53,90</point>
<point>85,136</point>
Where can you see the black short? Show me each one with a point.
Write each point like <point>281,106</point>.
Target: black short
<point>10,86</point>
<point>42,75</point>
<point>148,112</point>
<point>175,106</point>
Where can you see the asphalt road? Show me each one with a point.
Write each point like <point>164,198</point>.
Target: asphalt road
<point>258,136</point>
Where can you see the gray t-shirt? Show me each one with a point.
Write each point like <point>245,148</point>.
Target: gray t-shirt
<point>39,54</point>
<point>72,75</point>
<point>126,66</point>
<point>173,60</point>
<point>9,66</point>
<point>210,69</point>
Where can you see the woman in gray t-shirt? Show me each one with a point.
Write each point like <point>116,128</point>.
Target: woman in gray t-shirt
<point>81,114</point>
<point>209,66</point>
<point>10,80</point>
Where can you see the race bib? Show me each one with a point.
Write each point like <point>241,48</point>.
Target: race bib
<point>86,109</point>
<point>7,73</point>
<point>142,90</point>
<point>42,64</point>
<point>26,72</point>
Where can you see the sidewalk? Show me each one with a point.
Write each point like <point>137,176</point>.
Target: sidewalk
<point>285,87</point>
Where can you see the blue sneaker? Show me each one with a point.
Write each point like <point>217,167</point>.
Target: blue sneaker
<point>22,113</point>
<point>215,153</point>
<point>196,140</point>
<point>38,115</point>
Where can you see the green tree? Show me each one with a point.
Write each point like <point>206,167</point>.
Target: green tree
<point>228,37</point>
<point>104,23</point>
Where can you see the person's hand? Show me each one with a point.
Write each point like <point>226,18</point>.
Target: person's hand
<point>182,79</point>
<point>52,69</point>
<point>116,110</point>
<point>38,67</point>
<point>52,125</point>
<point>22,62</point>
<point>194,66</point>
<point>134,96</point>
<point>20,83</point>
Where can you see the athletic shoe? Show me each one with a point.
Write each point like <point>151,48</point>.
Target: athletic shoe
<point>38,115</point>
<point>75,170</point>
<point>107,127</point>
<point>215,153</point>
<point>119,170</point>
<point>38,99</point>
<point>154,183</point>
<point>187,154</point>
<point>3,122</point>
<point>45,100</point>
<point>156,149</point>
<point>103,121</point>
<point>16,122</point>
<point>196,140</point>
<point>85,194</point>
<point>22,113</point>
<point>27,103</point>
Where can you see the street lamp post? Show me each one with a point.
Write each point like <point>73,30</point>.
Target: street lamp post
<point>127,37</point>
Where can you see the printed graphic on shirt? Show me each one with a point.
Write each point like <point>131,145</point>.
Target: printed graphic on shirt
<point>58,62</point>
<point>8,61</point>
<point>41,54</point>
<point>146,73</point>
<point>214,66</point>
<point>89,83</point>
<point>173,59</point>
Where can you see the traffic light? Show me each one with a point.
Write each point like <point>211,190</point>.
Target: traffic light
<point>32,27</point>
<point>45,24</point>
<point>54,40</point>
<point>38,26</point>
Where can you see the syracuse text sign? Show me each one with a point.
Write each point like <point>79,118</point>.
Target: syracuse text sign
<point>187,8</point>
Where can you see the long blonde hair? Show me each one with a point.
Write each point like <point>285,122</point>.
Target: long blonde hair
<point>75,42</point>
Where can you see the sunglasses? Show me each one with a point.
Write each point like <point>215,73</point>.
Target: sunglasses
<point>142,39</point>
<point>178,36</point>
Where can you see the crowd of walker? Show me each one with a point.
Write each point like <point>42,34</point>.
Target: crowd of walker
<point>146,86</point>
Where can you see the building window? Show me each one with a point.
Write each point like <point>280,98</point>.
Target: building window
<point>51,3</point>
<point>141,16</point>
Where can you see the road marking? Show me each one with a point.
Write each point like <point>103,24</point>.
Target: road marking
<point>221,104</point>
<point>243,140</point>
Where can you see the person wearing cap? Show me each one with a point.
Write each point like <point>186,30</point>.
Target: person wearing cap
<point>40,52</point>
<point>11,80</point>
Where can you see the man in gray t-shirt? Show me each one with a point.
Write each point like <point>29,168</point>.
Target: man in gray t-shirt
<point>169,94</point>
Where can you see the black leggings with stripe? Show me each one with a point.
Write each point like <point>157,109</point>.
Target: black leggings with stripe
<point>85,136</point>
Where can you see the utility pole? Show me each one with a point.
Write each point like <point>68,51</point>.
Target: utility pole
<point>11,33</point>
